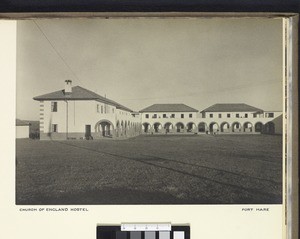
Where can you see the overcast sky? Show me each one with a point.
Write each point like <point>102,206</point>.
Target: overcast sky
<point>139,62</point>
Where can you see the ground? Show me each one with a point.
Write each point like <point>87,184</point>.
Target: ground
<point>194,169</point>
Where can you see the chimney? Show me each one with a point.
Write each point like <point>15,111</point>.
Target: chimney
<point>68,87</point>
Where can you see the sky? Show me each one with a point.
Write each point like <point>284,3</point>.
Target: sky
<point>143,61</point>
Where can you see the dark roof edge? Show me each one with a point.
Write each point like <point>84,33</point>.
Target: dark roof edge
<point>191,109</point>
<point>208,108</point>
<point>145,111</point>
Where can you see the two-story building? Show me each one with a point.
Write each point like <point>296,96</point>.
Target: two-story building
<point>216,119</point>
<point>169,118</point>
<point>75,112</point>
<point>239,118</point>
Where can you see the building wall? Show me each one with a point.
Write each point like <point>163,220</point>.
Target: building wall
<point>22,131</point>
<point>160,122</point>
<point>72,117</point>
<point>217,122</point>
<point>127,124</point>
<point>105,120</point>
<point>242,122</point>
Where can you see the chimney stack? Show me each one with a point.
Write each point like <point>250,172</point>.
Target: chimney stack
<point>68,87</point>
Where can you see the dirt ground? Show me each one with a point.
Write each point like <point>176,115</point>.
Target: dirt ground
<point>158,169</point>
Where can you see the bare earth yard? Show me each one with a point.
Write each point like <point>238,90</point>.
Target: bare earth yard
<point>195,169</point>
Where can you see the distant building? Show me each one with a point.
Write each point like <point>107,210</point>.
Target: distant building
<point>75,113</point>
<point>169,118</point>
<point>216,119</point>
<point>22,129</point>
<point>239,118</point>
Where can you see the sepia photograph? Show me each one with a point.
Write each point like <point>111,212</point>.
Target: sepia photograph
<point>149,111</point>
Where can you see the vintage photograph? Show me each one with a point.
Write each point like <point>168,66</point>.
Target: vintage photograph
<point>149,111</point>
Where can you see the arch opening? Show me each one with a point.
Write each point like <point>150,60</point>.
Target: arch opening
<point>145,127</point>
<point>168,126</point>
<point>157,127</point>
<point>248,127</point>
<point>236,127</point>
<point>190,127</point>
<point>258,127</point>
<point>202,127</point>
<point>225,127</point>
<point>270,128</point>
<point>213,128</point>
<point>179,127</point>
<point>105,128</point>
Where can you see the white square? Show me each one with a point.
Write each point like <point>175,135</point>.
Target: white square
<point>178,235</point>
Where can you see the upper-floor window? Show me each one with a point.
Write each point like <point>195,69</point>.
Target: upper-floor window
<point>270,115</point>
<point>164,115</point>
<point>98,108</point>
<point>113,110</point>
<point>220,115</point>
<point>228,115</point>
<point>54,106</point>
<point>172,115</point>
<point>101,109</point>
<point>154,116</point>
<point>246,115</point>
<point>147,116</point>
<point>237,115</point>
<point>182,116</point>
<point>191,115</point>
<point>203,115</point>
<point>211,115</point>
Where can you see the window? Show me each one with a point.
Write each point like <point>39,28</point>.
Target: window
<point>220,115</point>
<point>211,115</point>
<point>113,110</point>
<point>191,115</point>
<point>237,115</point>
<point>154,116</point>
<point>246,115</point>
<point>98,108</point>
<point>182,116</point>
<point>228,115</point>
<point>101,109</point>
<point>203,115</point>
<point>53,106</point>
<point>270,115</point>
<point>164,116</point>
<point>254,115</point>
<point>147,116</point>
<point>172,115</point>
<point>54,128</point>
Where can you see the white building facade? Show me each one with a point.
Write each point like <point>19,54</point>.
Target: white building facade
<point>169,118</point>
<point>77,113</point>
<point>216,119</point>
<point>239,118</point>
